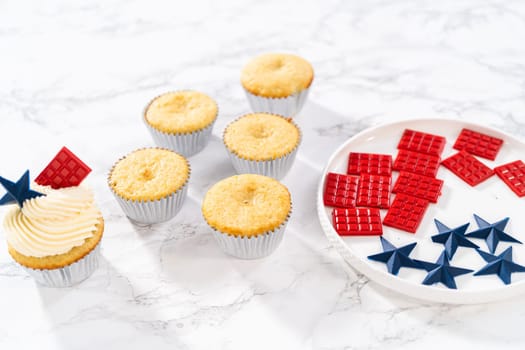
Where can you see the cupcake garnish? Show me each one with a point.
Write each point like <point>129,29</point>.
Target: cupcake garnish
<point>18,192</point>
<point>65,170</point>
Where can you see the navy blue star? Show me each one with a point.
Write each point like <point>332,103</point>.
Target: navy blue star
<point>18,192</point>
<point>492,233</point>
<point>502,265</point>
<point>452,238</point>
<point>395,258</point>
<point>441,271</point>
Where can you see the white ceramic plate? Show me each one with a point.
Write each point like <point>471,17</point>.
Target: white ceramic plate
<point>492,200</point>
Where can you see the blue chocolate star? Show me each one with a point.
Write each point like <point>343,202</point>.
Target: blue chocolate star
<point>502,265</point>
<point>452,238</point>
<point>442,272</point>
<point>17,192</point>
<point>395,258</point>
<point>492,233</point>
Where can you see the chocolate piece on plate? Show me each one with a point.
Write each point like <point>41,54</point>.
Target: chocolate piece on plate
<point>418,163</point>
<point>468,168</point>
<point>373,191</point>
<point>452,238</point>
<point>478,144</point>
<point>357,221</point>
<point>422,142</point>
<point>421,186</point>
<point>406,212</point>
<point>395,258</point>
<point>492,233</point>
<point>501,265</point>
<point>513,174</point>
<point>340,190</point>
<point>369,163</point>
<point>442,272</point>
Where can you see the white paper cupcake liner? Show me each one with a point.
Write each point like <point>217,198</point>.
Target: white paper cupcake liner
<point>154,211</point>
<point>147,212</point>
<point>187,144</point>
<point>68,275</point>
<point>251,247</point>
<point>276,168</point>
<point>285,106</point>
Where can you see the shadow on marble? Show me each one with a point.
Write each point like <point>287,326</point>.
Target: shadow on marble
<point>109,299</point>
<point>197,265</point>
<point>99,280</point>
<point>324,130</point>
<point>179,262</point>
<point>209,166</point>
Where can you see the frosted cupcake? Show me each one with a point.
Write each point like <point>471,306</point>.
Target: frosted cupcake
<point>277,83</point>
<point>248,214</point>
<point>262,143</point>
<point>150,184</point>
<point>55,234</point>
<point>181,121</point>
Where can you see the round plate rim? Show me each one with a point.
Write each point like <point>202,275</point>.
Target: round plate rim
<point>417,291</point>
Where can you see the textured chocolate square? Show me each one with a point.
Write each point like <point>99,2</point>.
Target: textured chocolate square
<point>357,221</point>
<point>65,170</point>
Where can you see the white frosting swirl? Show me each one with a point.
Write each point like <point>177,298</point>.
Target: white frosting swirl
<point>52,224</point>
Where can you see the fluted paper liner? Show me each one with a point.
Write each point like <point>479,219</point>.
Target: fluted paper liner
<point>187,144</point>
<point>288,106</point>
<point>68,275</point>
<point>253,247</point>
<point>276,168</point>
<point>146,212</point>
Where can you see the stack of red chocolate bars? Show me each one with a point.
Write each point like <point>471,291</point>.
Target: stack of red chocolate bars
<point>416,186</point>
<point>358,196</point>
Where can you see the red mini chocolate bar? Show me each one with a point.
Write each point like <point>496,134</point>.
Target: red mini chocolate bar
<point>369,163</point>
<point>406,212</point>
<point>65,170</point>
<point>418,163</point>
<point>420,186</point>
<point>478,144</point>
<point>357,221</point>
<point>340,190</point>
<point>513,174</point>
<point>373,191</point>
<point>468,168</point>
<point>417,141</point>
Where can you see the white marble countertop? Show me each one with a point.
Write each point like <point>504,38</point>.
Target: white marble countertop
<point>79,74</point>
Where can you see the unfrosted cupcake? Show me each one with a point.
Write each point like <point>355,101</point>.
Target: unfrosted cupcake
<point>181,121</point>
<point>150,184</point>
<point>248,214</point>
<point>277,83</point>
<point>56,236</point>
<point>262,143</point>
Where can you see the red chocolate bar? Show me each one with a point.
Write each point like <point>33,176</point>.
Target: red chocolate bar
<point>357,221</point>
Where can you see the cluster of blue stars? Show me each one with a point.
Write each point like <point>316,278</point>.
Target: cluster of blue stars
<point>441,271</point>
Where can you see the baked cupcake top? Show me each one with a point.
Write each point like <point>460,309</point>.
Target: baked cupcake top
<point>246,205</point>
<point>181,112</point>
<point>52,224</point>
<point>261,136</point>
<point>149,174</point>
<point>277,75</point>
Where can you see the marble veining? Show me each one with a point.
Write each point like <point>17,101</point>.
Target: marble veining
<point>80,73</point>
